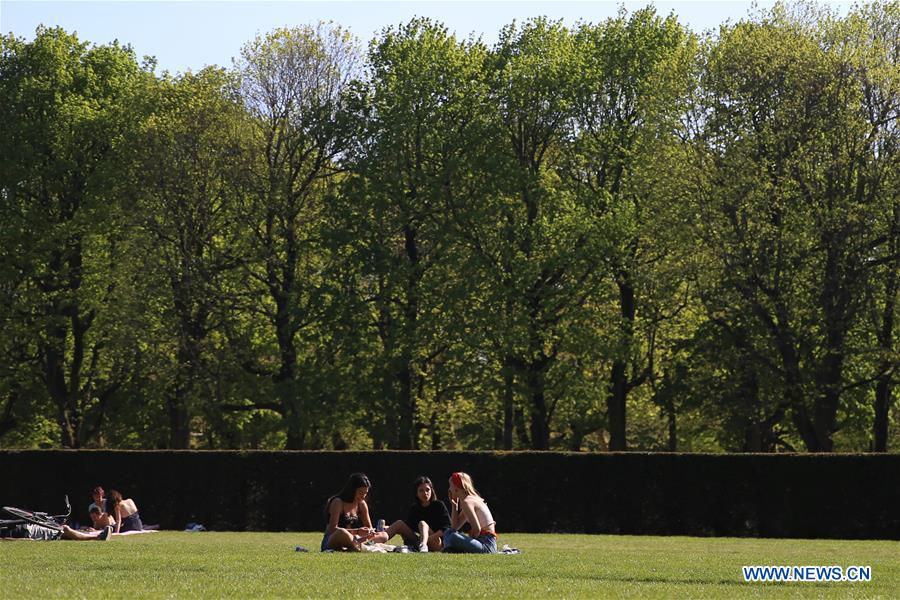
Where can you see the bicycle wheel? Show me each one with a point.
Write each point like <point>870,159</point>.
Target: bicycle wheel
<point>33,518</point>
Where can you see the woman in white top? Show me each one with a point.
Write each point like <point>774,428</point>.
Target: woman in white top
<point>467,506</point>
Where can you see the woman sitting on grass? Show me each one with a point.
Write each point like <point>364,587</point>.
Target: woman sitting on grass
<point>348,517</point>
<point>125,512</point>
<point>426,521</point>
<point>467,506</point>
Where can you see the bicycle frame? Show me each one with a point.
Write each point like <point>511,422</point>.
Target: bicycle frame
<point>37,518</point>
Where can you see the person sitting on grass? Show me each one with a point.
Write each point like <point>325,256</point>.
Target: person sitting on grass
<point>125,512</point>
<point>467,506</point>
<point>426,521</point>
<point>349,524</point>
<point>100,516</point>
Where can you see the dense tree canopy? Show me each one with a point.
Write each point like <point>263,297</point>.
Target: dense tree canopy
<point>617,236</point>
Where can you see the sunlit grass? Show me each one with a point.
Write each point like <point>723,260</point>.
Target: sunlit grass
<point>212,564</point>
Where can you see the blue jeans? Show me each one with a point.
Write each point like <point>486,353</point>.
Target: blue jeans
<point>457,542</point>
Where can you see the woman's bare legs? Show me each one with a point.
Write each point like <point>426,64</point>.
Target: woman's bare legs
<point>341,539</point>
<point>423,536</point>
<point>436,541</point>
<point>381,537</point>
<point>400,528</point>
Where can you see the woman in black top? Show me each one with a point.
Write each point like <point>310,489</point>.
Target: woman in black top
<point>426,521</point>
<point>348,516</point>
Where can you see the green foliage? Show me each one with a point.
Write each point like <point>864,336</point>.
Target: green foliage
<point>614,236</point>
<point>793,189</point>
<point>425,108</point>
<point>65,105</point>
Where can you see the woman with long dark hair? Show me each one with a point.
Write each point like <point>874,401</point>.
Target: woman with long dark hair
<point>426,520</point>
<point>349,524</point>
<point>125,512</point>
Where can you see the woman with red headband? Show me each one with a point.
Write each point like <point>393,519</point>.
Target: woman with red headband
<point>467,506</point>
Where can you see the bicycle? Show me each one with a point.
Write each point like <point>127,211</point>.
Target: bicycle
<point>23,517</point>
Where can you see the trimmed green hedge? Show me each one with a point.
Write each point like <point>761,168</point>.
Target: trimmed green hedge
<point>802,495</point>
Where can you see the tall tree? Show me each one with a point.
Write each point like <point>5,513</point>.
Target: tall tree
<point>190,172</point>
<point>294,82</point>
<point>425,123</point>
<point>871,34</point>
<point>635,74</point>
<point>791,200</point>
<point>540,245</point>
<point>63,105</point>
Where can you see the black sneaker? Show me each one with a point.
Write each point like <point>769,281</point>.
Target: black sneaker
<point>106,534</point>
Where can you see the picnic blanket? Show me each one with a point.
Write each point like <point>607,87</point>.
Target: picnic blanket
<point>385,548</point>
<point>92,530</point>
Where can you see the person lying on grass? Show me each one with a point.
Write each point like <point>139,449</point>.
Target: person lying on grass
<point>30,531</point>
<point>467,506</point>
<point>349,524</point>
<point>426,521</point>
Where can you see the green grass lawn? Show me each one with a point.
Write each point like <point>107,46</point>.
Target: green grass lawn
<point>174,564</point>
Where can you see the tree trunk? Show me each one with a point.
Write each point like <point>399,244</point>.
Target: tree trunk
<point>190,322</point>
<point>67,409</point>
<point>176,403</point>
<point>577,440</point>
<point>673,424</point>
<point>615,406</point>
<point>540,434</point>
<point>286,378</point>
<point>66,269</point>
<point>179,430</point>
<point>800,417</point>
<point>883,389</point>
<point>8,422</point>
<point>824,419</point>
<point>55,382</point>
<point>837,311</point>
<point>749,394</point>
<point>535,370</point>
<point>793,389</point>
<point>296,431</point>
<point>618,386</point>
<point>408,399</point>
<point>521,429</point>
<point>883,402</point>
<point>435,432</point>
<point>508,406</point>
<point>407,407</point>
